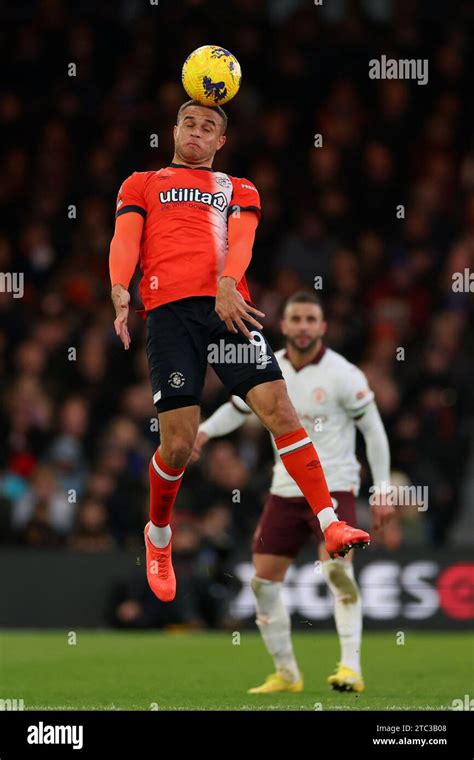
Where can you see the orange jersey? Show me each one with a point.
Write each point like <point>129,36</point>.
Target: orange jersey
<point>184,241</point>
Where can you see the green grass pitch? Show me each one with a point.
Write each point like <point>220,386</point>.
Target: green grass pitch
<point>209,671</point>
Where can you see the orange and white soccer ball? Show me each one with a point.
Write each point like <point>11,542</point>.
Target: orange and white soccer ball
<point>211,75</point>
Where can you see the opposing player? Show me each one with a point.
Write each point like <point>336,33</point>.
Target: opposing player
<point>193,230</point>
<point>332,399</point>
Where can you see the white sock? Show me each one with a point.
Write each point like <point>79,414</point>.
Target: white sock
<point>326,516</point>
<point>159,537</point>
<point>274,624</point>
<point>339,574</point>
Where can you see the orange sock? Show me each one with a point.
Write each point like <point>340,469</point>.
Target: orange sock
<point>164,486</point>
<point>301,461</point>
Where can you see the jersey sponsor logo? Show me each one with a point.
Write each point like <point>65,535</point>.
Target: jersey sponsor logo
<point>248,187</point>
<point>320,395</point>
<point>193,195</point>
<point>176,380</point>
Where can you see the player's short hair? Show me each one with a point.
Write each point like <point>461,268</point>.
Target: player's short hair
<point>303,296</point>
<point>217,109</point>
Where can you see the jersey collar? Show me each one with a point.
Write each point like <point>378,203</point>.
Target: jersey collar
<point>192,168</point>
<point>316,359</point>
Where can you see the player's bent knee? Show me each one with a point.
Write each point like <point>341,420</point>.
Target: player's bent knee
<point>177,450</point>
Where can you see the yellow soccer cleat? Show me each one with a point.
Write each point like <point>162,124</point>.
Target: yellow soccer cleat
<point>275,683</point>
<point>346,679</point>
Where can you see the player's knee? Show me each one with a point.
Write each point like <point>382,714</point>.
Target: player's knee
<point>267,597</point>
<point>177,449</point>
<point>339,574</point>
<point>264,588</point>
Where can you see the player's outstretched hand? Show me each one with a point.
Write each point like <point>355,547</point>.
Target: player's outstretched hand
<point>121,300</point>
<point>233,310</point>
<point>201,440</point>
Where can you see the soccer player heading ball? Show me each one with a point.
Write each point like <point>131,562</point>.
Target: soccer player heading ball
<point>193,229</point>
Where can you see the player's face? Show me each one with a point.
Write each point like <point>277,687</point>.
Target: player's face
<point>303,325</point>
<point>198,135</point>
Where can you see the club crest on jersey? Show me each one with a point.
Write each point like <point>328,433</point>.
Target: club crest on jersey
<point>176,380</point>
<point>223,181</point>
<point>193,195</point>
<point>320,395</point>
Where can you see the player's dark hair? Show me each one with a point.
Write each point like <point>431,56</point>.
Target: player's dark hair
<point>303,296</point>
<point>217,109</point>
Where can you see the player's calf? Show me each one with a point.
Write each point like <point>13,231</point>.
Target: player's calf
<point>271,403</point>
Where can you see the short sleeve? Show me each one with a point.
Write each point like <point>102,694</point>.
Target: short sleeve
<point>130,196</point>
<point>355,393</point>
<point>245,197</point>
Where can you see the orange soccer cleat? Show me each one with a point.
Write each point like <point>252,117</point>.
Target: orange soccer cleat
<point>341,538</point>
<point>159,570</point>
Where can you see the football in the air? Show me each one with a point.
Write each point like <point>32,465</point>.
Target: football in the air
<point>211,75</point>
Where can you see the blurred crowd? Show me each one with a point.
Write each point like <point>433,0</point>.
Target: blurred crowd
<point>383,212</point>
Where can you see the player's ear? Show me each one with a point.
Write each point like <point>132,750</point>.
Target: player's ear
<point>221,141</point>
<point>324,327</point>
<point>175,129</point>
<point>283,326</point>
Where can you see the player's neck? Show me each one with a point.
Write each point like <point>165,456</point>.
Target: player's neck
<point>207,164</point>
<point>300,359</point>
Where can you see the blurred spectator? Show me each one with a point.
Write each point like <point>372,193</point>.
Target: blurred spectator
<point>90,534</point>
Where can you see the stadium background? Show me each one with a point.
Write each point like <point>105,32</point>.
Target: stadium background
<point>80,421</point>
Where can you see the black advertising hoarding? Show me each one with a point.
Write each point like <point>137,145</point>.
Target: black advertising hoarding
<point>419,588</point>
<point>416,588</point>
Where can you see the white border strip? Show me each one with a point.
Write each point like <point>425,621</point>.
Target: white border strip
<point>164,474</point>
<point>295,446</point>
